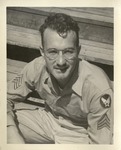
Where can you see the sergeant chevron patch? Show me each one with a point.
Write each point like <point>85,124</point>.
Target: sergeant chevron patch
<point>18,81</point>
<point>104,121</point>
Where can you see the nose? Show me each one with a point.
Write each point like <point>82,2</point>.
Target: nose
<point>61,60</point>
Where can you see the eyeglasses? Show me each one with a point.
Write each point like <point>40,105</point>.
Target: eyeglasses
<point>68,53</point>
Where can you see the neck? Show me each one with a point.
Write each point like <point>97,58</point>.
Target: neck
<point>71,79</point>
<point>62,84</point>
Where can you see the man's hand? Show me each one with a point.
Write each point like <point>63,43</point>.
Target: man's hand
<point>13,136</point>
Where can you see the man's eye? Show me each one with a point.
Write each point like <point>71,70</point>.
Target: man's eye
<point>69,51</point>
<point>52,52</point>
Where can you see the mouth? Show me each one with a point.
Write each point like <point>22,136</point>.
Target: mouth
<point>61,69</point>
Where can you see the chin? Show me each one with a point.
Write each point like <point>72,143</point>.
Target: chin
<point>61,77</point>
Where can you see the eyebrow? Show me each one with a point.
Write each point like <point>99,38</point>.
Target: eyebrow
<point>61,49</point>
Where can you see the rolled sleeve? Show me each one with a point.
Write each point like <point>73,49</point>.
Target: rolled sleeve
<point>100,118</point>
<point>17,91</point>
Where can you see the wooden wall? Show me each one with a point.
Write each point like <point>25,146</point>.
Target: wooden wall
<point>96,31</point>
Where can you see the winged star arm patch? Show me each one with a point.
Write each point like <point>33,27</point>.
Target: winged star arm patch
<point>105,101</point>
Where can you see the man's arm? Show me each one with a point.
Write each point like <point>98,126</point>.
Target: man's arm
<point>100,118</point>
<point>13,134</point>
<point>18,89</point>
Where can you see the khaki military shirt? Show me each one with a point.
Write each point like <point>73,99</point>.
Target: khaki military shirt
<point>86,100</point>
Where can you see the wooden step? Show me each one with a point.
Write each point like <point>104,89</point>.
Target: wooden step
<point>93,23</point>
<point>101,16</point>
<point>91,50</point>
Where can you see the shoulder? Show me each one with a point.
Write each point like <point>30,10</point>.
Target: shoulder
<point>35,64</point>
<point>39,61</point>
<point>96,85</point>
<point>34,68</point>
<point>93,76</point>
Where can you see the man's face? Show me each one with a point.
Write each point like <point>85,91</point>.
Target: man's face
<point>61,54</point>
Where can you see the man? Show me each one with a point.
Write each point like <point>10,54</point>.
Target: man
<point>77,94</point>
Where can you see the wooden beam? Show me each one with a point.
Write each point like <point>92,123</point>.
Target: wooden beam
<point>23,37</point>
<point>17,64</point>
<point>98,14</point>
<point>89,30</point>
<point>102,15</point>
<point>99,52</point>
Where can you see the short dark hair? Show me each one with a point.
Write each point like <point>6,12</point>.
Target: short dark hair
<point>61,23</point>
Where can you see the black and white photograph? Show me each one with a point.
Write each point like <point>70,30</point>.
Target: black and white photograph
<point>60,70</point>
<point>60,75</point>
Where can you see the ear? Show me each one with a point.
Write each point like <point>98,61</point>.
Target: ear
<point>41,51</point>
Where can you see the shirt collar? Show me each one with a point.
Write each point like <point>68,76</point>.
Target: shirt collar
<point>77,86</point>
<point>76,78</point>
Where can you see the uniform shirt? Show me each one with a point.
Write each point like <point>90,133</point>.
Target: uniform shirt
<point>86,100</point>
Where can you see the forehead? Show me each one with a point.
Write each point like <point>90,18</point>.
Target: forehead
<point>52,38</point>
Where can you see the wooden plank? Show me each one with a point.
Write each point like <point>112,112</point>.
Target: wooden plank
<point>98,53</point>
<point>100,14</point>
<point>97,60</point>
<point>96,44</point>
<point>31,39</point>
<point>88,30</point>
<point>103,15</point>
<point>23,37</point>
<point>18,64</point>
<point>103,11</point>
<point>96,33</point>
<point>34,35</point>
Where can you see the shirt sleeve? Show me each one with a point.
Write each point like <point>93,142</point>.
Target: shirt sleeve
<point>100,118</point>
<point>18,89</point>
